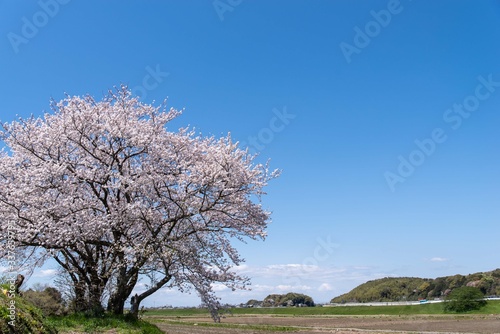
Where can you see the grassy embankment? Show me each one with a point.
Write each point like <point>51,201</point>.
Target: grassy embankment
<point>19,316</point>
<point>76,323</point>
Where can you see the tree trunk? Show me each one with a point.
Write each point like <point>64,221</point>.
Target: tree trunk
<point>79,303</point>
<point>124,286</point>
<point>134,306</point>
<point>88,286</point>
<point>116,303</point>
<point>137,299</point>
<point>95,304</point>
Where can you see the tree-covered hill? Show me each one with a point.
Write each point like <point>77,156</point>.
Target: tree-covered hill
<point>277,300</point>
<point>414,288</point>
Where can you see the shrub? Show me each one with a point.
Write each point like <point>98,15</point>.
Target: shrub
<point>49,300</point>
<point>464,299</point>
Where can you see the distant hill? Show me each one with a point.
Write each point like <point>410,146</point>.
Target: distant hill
<point>414,288</point>
<point>289,299</point>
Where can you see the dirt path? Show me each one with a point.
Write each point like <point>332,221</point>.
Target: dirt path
<point>339,324</point>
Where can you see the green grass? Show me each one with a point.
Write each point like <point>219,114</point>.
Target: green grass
<point>263,327</point>
<point>122,324</point>
<point>27,318</point>
<point>493,307</point>
<point>179,312</point>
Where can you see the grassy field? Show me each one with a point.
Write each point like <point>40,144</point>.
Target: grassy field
<point>342,319</point>
<point>265,320</point>
<point>493,307</point>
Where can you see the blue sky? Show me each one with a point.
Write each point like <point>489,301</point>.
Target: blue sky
<point>383,116</point>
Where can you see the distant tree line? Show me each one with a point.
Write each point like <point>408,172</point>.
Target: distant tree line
<point>412,288</point>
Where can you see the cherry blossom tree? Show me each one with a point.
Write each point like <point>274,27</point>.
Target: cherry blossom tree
<point>105,190</point>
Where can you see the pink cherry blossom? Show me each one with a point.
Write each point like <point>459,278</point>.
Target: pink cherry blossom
<point>111,194</point>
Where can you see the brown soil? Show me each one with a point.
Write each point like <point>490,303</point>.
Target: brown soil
<point>340,324</point>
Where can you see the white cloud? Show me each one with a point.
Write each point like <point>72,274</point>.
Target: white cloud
<point>45,273</point>
<point>293,266</point>
<point>439,259</point>
<point>292,288</point>
<point>296,271</point>
<point>361,268</point>
<point>286,270</point>
<point>261,288</point>
<point>325,287</point>
<point>322,283</point>
<point>140,286</point>
<point>241,268</point>
<point>219,287</point>
<point>171,291</point>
